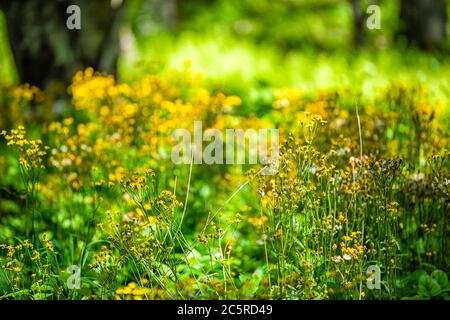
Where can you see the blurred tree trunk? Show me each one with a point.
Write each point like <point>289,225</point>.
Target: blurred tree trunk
<point>47,53</point>
<point>358,23</point>
<point>169,13</point>
<point>424,22</point>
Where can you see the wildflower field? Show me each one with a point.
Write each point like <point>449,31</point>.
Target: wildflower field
<point>92,205</point>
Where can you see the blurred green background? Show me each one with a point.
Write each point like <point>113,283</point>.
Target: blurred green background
<point>246,48</point>
<point>242,46</point>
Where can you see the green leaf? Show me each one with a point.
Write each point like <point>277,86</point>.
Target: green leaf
<point>21,294</point>
<point>41,287</point>
<point>249,284</point>
<point>416,297</point>
<point>42,296</point>
<point>420,246</point>
<point>428,287</point>
<point>441,278</point>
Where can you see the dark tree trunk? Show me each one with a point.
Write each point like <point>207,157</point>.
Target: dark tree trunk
<point>358,23</point>
<point>424,22</point>
<point>47,53</point>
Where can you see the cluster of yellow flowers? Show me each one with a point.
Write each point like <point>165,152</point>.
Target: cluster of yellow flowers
<point>16,259</point>
<point>132,291</point>
<point>350,247</point>
<point>319,219</point>
<point>31,152</point>
<point>28,93</point>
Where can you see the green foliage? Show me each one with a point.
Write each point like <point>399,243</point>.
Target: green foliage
<point>7,72</point>
<point>363,175</point>
<point>429,286</point>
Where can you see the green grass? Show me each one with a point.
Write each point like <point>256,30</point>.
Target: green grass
<point>362,180</point>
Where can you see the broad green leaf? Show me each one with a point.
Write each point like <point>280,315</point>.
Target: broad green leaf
<point>441,278</point>
<point>428,287</point>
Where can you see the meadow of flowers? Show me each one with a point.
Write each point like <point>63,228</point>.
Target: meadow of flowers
<point>361,182</point>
